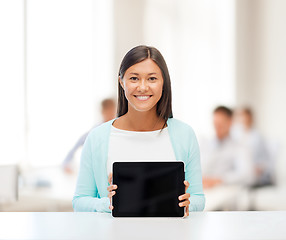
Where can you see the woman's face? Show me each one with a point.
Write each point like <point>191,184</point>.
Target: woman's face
<point>143,85</point>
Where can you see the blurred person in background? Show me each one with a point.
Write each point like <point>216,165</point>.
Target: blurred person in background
<point>245,132</point>
<point>224,160</point>
<point>108,112</point>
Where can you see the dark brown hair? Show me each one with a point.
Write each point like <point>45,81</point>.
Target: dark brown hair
<point>107,103</point>
<point>248,111</point>
<point>225,110</point>
<point>139,54</point>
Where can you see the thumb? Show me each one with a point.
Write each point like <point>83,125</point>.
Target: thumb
<point>110,178</point>
<point>186,185</point>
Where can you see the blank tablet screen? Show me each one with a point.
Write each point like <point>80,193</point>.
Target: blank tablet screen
<point>148,189</point>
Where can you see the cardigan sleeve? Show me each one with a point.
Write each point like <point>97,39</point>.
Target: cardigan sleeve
<point>193,175</point>
<point>86,197</point>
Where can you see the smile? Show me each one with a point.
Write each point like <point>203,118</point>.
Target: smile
<point>143,97</point>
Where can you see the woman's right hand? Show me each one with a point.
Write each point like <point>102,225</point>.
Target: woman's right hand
<point>111,191</point>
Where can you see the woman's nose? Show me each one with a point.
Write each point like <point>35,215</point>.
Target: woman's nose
<point>143,86</point>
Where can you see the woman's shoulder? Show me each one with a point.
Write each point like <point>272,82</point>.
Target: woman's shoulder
<point>100,130</point>
<point>179,125</point>
<point>182,136</point>
<point>180,130</point>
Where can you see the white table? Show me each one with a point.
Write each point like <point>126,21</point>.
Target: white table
<point>201,225</point>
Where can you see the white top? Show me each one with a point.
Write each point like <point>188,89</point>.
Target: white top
<point>228,160</point>
<point>127,146</point>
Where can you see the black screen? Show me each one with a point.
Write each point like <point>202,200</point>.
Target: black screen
<point>148,189</point>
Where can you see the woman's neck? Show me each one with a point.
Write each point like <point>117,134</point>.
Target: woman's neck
<point>140,121</point>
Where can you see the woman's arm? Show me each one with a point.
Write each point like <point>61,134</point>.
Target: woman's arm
<point>86,197</point>
<point>194,176</point>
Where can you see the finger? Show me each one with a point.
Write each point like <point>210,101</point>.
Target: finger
<point>186,185</point>
<point>111,207</point>
<point>184,204</point>
<point>186,212</point>
<point>111,187</point>
<point>111,194</point>
<point>110,178</point>
<point>184,196</point>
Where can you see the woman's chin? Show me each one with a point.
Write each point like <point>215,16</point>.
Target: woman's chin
<point>144,109</point>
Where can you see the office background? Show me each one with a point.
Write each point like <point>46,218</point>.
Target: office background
<point>60,58</point>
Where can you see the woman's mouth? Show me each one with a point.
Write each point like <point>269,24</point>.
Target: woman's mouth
<point>143,97</point>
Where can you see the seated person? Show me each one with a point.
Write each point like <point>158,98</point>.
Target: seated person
<point>225,161</point>
<point>245,132</point>
<point>108,111</point>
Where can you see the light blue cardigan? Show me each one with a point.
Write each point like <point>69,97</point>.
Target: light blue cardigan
<point>91,190</point>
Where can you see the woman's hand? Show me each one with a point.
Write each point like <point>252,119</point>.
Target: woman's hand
<point>111,189</point>
<point>185,202</point>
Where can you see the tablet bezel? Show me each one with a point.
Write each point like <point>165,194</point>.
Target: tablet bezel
<point>164,163</point>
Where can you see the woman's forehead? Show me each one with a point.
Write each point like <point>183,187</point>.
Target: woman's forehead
<point>148,66</point>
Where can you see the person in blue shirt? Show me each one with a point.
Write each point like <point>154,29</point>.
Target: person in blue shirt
<point>143,130</point>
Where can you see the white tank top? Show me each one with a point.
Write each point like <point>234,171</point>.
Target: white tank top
<point>127,146</point>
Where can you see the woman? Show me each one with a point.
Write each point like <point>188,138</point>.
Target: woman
<point>144,130</point>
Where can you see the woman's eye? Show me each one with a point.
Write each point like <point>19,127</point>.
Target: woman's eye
<point>152,78</point>
<point>134,78</point>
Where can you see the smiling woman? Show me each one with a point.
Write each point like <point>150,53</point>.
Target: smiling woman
<point>144,130</point>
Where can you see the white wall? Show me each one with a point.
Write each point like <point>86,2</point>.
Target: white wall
<point>56,66</point>
<point>197,40</point>
<point>261,71</point>
<point>103,66</point>
<point>59,77</point>
<point>12,104</point>
<point>69,57</point>
<point>128,28</point>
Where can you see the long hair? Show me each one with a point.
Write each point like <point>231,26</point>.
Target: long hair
<point>139,54</point>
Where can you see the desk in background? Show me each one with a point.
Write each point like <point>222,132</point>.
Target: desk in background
<point>224,197</point>
<point>198,226</point>
<point>44,190</point>
<point>57,195</point>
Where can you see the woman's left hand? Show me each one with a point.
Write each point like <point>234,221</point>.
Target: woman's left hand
<point>184,199</point>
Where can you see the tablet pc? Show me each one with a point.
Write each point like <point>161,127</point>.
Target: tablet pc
<point>148,189</point>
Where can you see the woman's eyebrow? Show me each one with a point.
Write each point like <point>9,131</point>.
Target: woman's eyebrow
<point>139,74</point>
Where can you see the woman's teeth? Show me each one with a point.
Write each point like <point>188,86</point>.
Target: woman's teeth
<point>143,97</point>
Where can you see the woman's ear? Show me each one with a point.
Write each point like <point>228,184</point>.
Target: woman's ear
<point>121,82</point>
